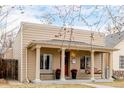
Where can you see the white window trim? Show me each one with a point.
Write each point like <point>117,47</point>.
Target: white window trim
<point>80,61</point>
<point>120,63</point>
<point>50,63</point>
<point>85,60</point>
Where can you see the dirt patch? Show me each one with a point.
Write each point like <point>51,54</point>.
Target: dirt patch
<point>3,81</point>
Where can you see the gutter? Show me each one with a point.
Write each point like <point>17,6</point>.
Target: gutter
<point>26,67</point>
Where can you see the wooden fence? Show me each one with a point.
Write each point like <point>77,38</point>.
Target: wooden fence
<point>9,69</point>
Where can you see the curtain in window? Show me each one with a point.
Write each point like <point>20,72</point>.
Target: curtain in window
<point>41,61</point>
<point>47,61</point>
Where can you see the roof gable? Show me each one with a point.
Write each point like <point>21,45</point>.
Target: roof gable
<point>114,39</point>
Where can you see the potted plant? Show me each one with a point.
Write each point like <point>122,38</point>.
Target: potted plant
<point>58,72</point>
<point>74,73</point>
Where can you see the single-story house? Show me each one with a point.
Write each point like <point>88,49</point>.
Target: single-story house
<point>41,49</point>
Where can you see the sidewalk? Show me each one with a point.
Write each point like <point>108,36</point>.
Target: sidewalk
<point>96,86</point>
<point>85,83</point>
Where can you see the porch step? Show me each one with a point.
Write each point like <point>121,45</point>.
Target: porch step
<point>82,78</point>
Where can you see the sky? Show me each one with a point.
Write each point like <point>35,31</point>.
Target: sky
<point>39,13</point>
<point>87,17</point>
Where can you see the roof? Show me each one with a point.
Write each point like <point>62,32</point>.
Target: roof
<point>113,39</point>
<point>66,43</point>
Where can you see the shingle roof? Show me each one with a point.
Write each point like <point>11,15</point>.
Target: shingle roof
<point>72,42</point>
<point>113,39</point>
<point>66,42</point>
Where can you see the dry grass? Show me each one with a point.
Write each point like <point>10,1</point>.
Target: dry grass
<point>116,83</point>
<point>20,85</point>
<point>44,86</point>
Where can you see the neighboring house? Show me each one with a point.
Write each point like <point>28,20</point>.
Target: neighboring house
<point>40,51</point>
<point>117,41</point>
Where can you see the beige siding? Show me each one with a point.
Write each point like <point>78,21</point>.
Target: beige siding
<point>116,55</point>
<point>17,52</point>
<point>106,59</point>
<point>56,62</point>
<point>31,62</point>
<point>78,55</point>
<point>98,61</point>
<point>44,32</point>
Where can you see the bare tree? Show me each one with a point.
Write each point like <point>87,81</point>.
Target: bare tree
<point>69,16</point>
<point>98,18</point>
<point>7,37</point>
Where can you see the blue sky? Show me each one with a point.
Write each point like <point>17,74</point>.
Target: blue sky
<point>34,13</point>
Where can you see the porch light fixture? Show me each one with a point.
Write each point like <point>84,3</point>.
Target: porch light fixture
<point>73,57</point>
<point>73,60</point>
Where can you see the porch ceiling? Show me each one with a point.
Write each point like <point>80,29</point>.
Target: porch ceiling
<point>69,44</point>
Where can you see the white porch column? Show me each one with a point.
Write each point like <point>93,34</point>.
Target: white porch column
<point>92,65</point>
<point>63,64</point>
<point>37,77</point>
<point>103,65</point>
<point>110,64</point>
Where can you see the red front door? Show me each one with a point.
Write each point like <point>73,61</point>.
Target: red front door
<point>67,57</point>
<point>66,70</point>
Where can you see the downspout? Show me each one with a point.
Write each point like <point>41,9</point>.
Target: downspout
<point>26,66</point>
<point>21,73</point>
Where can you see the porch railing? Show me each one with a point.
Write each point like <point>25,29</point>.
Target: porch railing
<point>118,74</point>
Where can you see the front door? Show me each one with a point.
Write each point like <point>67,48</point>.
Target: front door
<point>67,61</point>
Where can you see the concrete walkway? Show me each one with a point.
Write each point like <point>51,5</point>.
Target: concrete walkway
<point>68,81</point>
<point>96,85</point>
<point>81,82</point>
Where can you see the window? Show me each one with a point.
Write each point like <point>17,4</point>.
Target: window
<point>45,61</point>
<point>121,62</point>
<point>85,62</point>
<point>41,61</point>
<point>82,62</point>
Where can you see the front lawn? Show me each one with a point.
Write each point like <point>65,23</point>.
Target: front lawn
<point>115,83</point>
<point>43,86</point>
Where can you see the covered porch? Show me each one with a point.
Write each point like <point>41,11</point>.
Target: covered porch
<point>91,64</point>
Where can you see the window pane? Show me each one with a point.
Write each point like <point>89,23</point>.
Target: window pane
<point>82,62</point>
<point>41,61</point>
<point>121,62</point>
<point>87,62</point>
<point>47,62</point>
